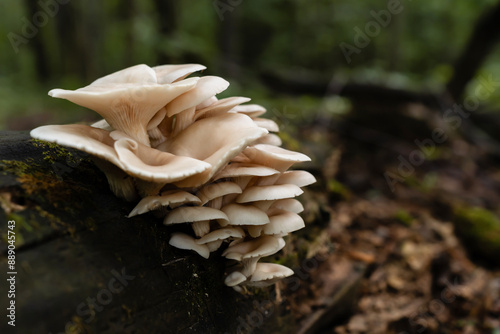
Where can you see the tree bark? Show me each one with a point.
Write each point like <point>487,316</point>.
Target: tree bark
<point>82,265</point>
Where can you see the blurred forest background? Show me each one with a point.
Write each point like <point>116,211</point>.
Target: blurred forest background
<point>256,44</point>
<point>397,103</point>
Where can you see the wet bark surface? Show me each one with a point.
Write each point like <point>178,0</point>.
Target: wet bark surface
<point>84,267</point>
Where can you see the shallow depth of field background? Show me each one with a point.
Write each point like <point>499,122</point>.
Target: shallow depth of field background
<point>243,41</point>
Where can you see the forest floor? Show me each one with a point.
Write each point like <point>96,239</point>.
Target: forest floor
<point>402,228</point>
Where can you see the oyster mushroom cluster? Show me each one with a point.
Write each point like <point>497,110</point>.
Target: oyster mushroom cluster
<point>167,142</point>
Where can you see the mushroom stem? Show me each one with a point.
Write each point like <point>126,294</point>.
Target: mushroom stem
<point>201,228</point>
<point>156,137</point>
<point>148,188</point>
<point>249,266</point>
<point>216,203</point>
<point>120,183</point>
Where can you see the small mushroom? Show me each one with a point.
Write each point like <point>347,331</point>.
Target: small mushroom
<point>193,214</point>
<point>258,247</point>
<point>266,274</point>
<point>273,156</point>
<point>238,214</point>
<point>269,139</point>
<point>242,173</point>
<point>220,107</point>
<point>235,278</point>
<point>151,203</point>
<point>215,238</point>
<point>184,241</point>
<point>249,252</point>
<point>167,74</point>
<point>266,193</point>
<point>251,110</point>
<point>288,204</point>
<point>215,190</point>
<point>300,178</point>
<point>267,124</point>
<point>282,223</point>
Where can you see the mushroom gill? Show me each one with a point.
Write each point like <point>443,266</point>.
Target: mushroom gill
<point>193,159</point>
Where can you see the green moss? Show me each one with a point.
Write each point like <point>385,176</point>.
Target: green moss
<point>44,187</point>
<point>425,184</point>
<point>289,141</point>
<point>338,189</point>
<point>480,230</point>
<point>403,217</point>
<point>17,167</point>
<point>53,152</point>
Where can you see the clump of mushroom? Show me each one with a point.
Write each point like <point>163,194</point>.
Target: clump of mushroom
<point>167,140</point>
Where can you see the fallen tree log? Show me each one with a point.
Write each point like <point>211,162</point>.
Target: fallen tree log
<point>82,266</point>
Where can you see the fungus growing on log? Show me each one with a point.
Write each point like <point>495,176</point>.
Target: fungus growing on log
<point>169,144</point>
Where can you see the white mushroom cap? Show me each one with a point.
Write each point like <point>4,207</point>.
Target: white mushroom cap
<point>238,214</point>
<point>206,87</point>
<point>266,274</point>
<point>214,245</point>
<point>267,124</point>
<point>269,139</point>
<point>265,193</point>
<point>235,278</point>
<point>273,156</point>
<point>150,203</point>
<point>252,110</point>
<point>236,169</point>
<point>208,102</point>
<point>215,190</point>
<point>288,204</point>
<point>127,107</point>
<point>135,159</point>
<point>255,230</point>
<point>189,214</point>
<point>102,124</point>
<point>234,133</point>
<point>184,241</point>
<point>300,178</point>
<point>220,107</point>
<point>283,223</point>
<point>150,164</point>
<point>82,137</point>
<point>138,74</point>
<point>262,246</point>
<point>167,74</point>
<point>222,234</point>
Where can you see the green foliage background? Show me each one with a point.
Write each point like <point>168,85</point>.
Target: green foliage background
<point>415,51</point>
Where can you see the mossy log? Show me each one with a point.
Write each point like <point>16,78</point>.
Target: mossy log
<point>84,267</point>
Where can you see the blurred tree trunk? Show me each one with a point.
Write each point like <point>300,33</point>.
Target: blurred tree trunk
<point>481,42</point>
<point>91,37</point>
<point>41,61</point>
<point>227,40</point>
<point>166,10</point>
<point>125,13</point>
<point>71,50</point>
